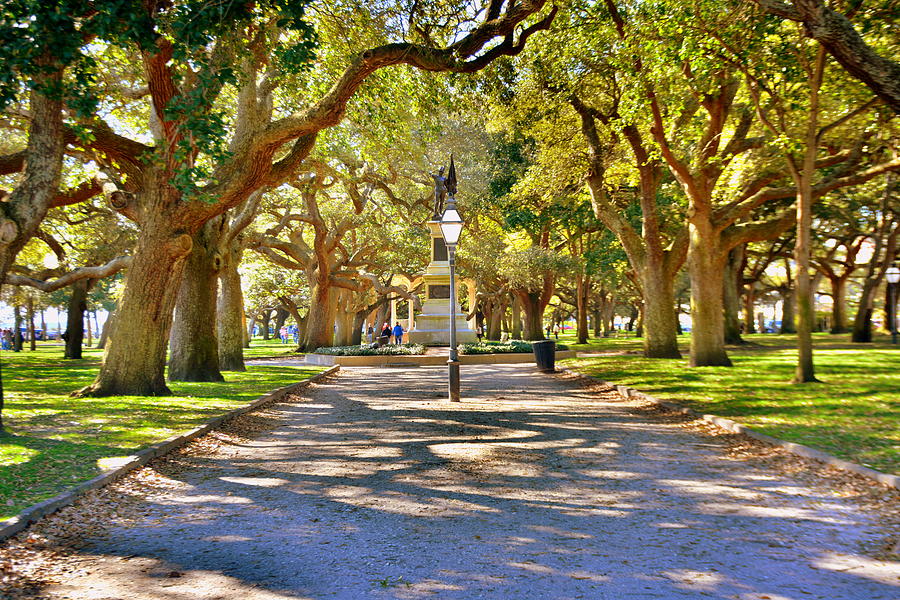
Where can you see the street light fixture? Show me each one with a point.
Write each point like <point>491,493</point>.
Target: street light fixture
<point>451,228</point>
<point>893,277</point>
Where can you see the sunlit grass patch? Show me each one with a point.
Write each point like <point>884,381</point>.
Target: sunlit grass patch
<point>55,440</point>
<point>854,413</point>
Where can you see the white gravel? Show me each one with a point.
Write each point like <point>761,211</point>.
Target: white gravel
<point>374,486</point>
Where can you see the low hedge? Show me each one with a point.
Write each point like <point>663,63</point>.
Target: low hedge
<point>508,347</point>
<point>373,350</point>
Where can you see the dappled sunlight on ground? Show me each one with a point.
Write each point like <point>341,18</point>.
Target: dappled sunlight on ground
<point>529,489</point>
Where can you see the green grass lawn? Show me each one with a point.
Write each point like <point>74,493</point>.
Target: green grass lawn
<point>265,348</point>
<point>854,413</point>
<point>56,441</point>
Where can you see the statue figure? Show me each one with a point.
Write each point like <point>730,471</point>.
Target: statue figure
<point>440,194</point>
<point>442,187</point>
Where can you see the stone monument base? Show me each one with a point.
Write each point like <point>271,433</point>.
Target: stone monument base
<point>432,327</point>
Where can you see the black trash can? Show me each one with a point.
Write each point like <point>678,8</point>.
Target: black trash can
<point>545,355</point>
<point>383,340</point>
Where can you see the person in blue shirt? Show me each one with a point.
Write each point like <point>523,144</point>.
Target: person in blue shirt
<point>398,333</point>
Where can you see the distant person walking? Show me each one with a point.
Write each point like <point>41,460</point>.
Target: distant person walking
<point>385,332</point>
<point>398,334</point>
<point>370,332</point>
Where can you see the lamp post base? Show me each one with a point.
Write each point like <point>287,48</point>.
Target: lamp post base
<point>453,366</point>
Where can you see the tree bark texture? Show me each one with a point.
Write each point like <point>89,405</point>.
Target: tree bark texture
<point>344,319</point>
<point>22,212</point>
<point>494,315</point>
<point>534,315</point>
<point>706,265</point>
<point>660,319</point>
<point>266,321</point>
<point>788,311</point>
<point>75,319</point>
<point>194,347</point>
<point>838,304</point>
<point>358,320</point>
<point>749,308</point>
<point>134,362</point>
<point>321,317</point>
<point>229,318</point>
<point>803,177</point>
<point>516,308</point>
<point>862,322</point>
<point>731,296</point>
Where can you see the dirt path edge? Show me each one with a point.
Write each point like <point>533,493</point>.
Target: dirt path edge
<point>33,513</point>
<point>734,427</point>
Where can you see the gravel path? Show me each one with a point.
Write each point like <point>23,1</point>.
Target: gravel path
<point>373,486</point>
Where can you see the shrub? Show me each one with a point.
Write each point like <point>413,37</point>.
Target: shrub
<point>508,347</point>
<point>373,350</point>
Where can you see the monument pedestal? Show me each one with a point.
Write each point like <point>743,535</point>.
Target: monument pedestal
<point>432,326</point>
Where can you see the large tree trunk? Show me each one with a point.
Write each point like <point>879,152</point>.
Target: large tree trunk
<point>29,313</point>
<point>862,323</point>
<point>494,320</point>
<point>749,301</point>
<point>266,320</point>
<point>838,304</point>
<point>358,320</point>
<point>660,319</point>
<point>194,348</point>
<point>788,311</point>
<point>731,295</point>
<point>805,371</point>
<point>344,319</point>
<point>516,332</point>
<point>534,315</point>
<point>135,361</point>
<point>598,322</point>
<point>706,265</point>
<point>75,319</point>
<point>230,317</point>
<point>320,320</point>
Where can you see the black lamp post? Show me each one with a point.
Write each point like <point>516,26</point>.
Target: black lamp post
<point>893,277</point>
<point>451,228</point>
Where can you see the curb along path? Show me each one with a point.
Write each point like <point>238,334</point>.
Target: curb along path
<point>32,514</point>
<point>532,488</point>
<point>735,427</point>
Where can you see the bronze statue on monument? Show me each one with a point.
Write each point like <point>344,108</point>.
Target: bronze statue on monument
<point>442,187</point>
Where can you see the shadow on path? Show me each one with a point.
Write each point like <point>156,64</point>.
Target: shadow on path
<point>375,487</point>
